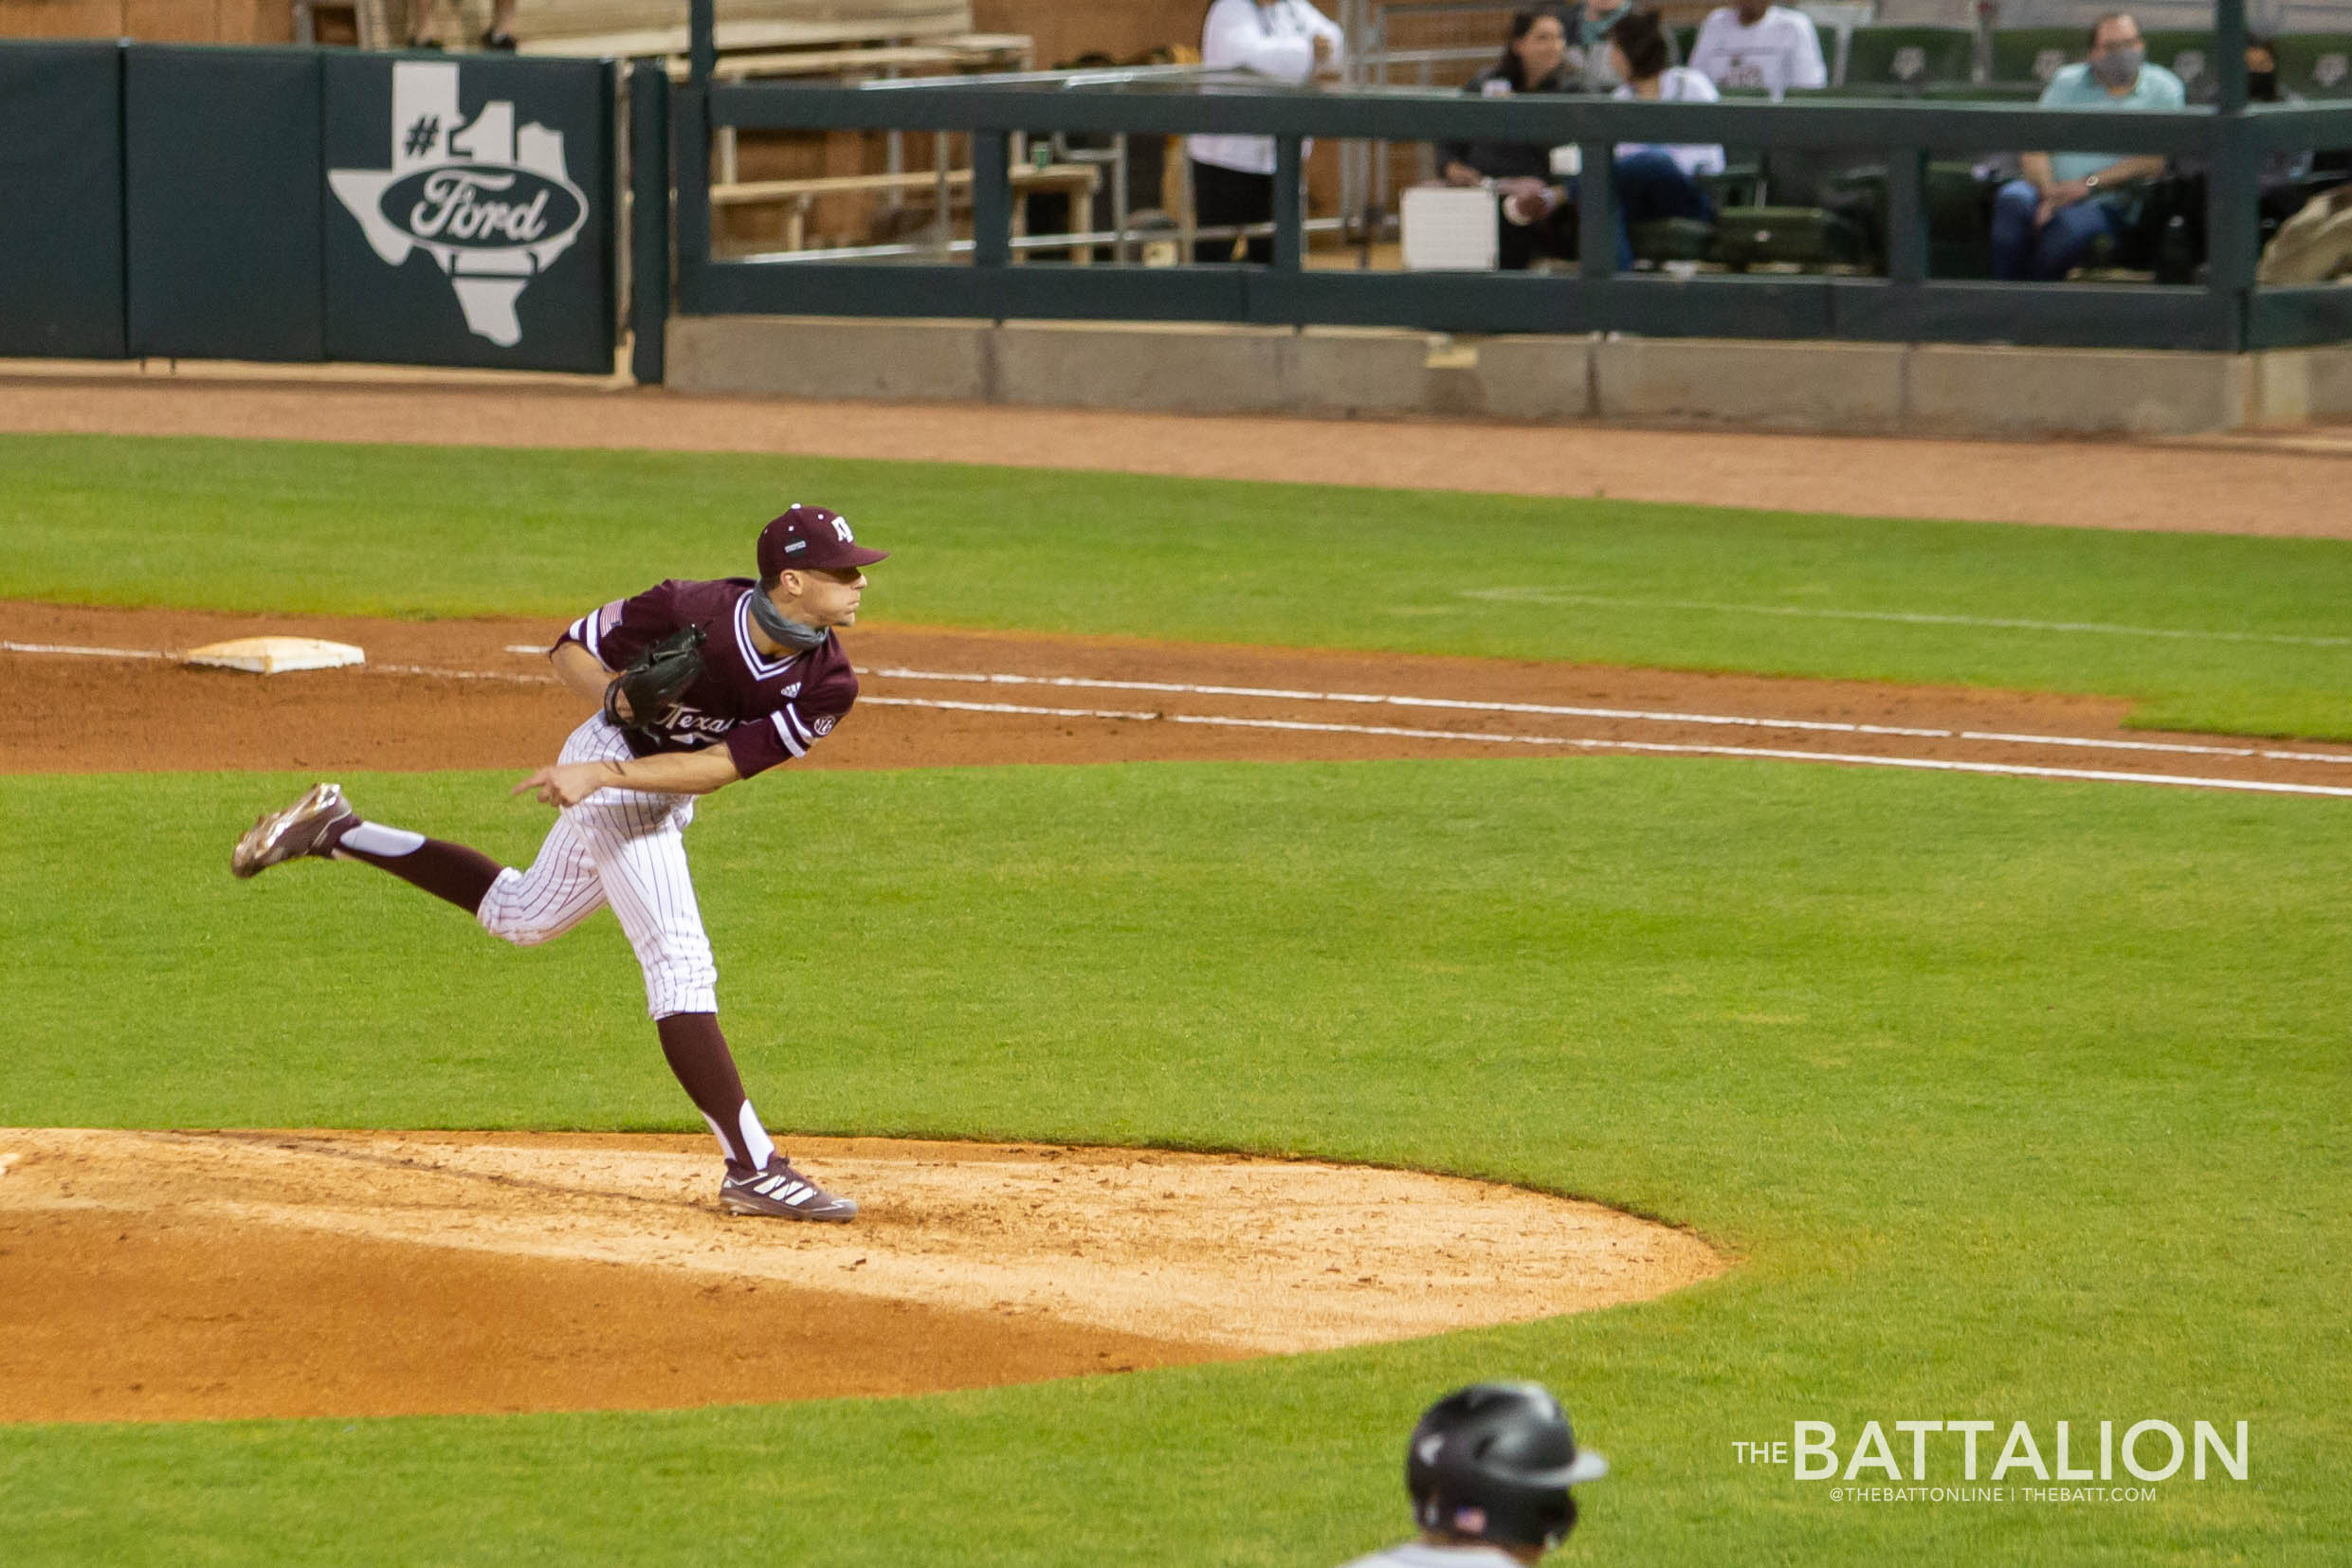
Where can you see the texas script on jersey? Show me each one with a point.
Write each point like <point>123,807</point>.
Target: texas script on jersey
<point>763,710</point>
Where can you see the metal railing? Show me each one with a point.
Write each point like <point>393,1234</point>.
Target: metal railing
<point>2224,312</point>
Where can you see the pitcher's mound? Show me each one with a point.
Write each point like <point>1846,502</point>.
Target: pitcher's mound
<point>173,1275</point>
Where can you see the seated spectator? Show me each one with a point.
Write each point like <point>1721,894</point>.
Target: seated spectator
<point>1756,44</point>
<point>1654,180</point>
<point>2285,177</point>
<point>2287,165</point>
<point>1532,63</point>
<point>2262,73</point>
<point>1233,176</point>
<point>2045,224</point>
<point>1651,181</point>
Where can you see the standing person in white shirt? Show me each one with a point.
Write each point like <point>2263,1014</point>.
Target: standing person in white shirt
<point>1488,1468</point>
<point>1756,44</point>
<point>1233,176</point>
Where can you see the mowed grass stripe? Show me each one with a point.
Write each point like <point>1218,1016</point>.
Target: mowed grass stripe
<point>2243,636</point>
<point>2014,1098</point>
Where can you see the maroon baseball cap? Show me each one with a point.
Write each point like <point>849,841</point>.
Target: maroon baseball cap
<point>811,537</point>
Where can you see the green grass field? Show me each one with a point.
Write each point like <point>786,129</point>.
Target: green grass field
<point>2013,1099</point>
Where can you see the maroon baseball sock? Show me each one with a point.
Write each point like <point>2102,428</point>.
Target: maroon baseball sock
<point>448,871</point>
<point>698,1054</point>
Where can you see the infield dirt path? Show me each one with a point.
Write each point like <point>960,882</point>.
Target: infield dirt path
<point>2225,488</point>
<point>456,694</point>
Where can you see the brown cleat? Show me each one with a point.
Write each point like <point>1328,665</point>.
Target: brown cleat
<point>297,830</point>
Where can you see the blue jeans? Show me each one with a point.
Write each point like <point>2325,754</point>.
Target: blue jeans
<point>1650,186</point>
<point>2021,253</point>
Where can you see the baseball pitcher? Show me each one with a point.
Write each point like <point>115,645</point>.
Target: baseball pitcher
<point>696,685</point>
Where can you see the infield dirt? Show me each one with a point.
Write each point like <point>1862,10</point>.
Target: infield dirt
<point>455,694</point>
<point>321,1273</point>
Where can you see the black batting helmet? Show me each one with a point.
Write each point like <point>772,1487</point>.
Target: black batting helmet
<point>1495,1461</point>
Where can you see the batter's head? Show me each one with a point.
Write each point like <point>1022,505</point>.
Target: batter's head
<point>1494,1462</point>
<point>810,539</point>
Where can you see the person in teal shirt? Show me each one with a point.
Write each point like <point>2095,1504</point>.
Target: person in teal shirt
<point>2046,223</point>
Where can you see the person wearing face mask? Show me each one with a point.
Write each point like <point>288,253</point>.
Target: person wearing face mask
<point>2046,223</point>
<point>1594,69</point>
<point>2262,74</point>
<point>754,676</point>
<point>2286,166</point>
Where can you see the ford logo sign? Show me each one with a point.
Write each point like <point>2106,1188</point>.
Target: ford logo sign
<point>483,206</point>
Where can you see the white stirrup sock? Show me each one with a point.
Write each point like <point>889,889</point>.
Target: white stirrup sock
<point>373,838</point>
<point>751,1147</point>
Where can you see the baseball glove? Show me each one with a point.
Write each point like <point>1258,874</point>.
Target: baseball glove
<point>654,681</point>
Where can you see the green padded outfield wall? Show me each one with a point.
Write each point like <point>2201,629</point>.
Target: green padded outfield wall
<point>298,204</point>
<point>221,202</point>
<point>61,189</point>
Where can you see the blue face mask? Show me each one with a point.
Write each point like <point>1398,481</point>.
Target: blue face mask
<point>2119,67</point>
<point>784,629</point>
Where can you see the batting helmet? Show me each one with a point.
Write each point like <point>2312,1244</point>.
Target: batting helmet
<point>1494,1461</point>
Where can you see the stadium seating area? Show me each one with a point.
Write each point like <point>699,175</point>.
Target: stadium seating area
<point>1812,212</point>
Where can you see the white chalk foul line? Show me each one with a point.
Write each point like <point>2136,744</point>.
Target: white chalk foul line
<point>511,677</point>
<point>1461,704</point>
<point>1931,764</point>
<point>2180,747</point>
<point>1646,715</point>
<point>83,653</point>
<point>1002,707</point>
<point>1554,595</point>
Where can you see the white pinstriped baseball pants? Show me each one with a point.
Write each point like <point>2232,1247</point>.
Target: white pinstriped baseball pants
<point>622,848</point>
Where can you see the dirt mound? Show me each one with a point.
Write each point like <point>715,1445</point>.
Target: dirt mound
<point>174,1275</point>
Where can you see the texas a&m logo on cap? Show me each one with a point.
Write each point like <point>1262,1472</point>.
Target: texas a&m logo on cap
<point>813,539</point>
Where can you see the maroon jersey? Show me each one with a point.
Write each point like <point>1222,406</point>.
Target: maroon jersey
<point>764,710</point>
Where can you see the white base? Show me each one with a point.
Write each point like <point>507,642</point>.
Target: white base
<point>274,655</point>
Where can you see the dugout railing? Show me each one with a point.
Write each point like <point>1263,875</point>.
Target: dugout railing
<point>2224,311</point>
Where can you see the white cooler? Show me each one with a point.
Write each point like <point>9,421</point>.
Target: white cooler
<point>1449,228</point>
